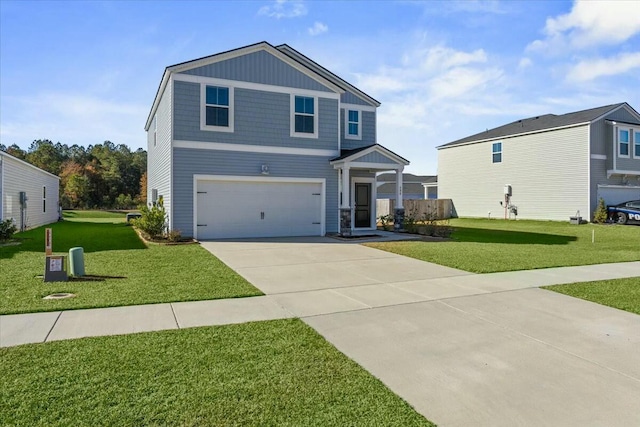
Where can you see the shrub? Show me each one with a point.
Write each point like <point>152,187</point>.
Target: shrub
<point>601,215</point>
<point>174,236</point>
<point>7,229</point>
<point>153,220</point>
<point>385,221</point>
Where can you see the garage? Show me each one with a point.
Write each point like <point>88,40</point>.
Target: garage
<point>614,194</point>
<point>242,207</point>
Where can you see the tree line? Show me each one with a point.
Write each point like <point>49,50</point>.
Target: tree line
<point>103,176</point>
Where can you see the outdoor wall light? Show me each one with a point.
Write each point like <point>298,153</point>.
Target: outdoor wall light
<point>264,170</point>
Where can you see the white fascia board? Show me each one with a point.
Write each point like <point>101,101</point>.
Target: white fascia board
<point>633,187</point>
<point>22,162</point>
<point>621,172</point>
<point>247,148</point>
<point>377,148</point>
<point>330,76</point>
<point>379,167</point>
<point>156,101</point>
<point>498,138</point>
<point>253,86</point>
<point>598,157</point>
<point>369,108</point>
<point>429,184</point>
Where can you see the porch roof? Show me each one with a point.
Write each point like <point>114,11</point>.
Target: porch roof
<point>385,159</point>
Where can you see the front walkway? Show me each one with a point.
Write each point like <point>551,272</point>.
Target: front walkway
<point>463,349</point>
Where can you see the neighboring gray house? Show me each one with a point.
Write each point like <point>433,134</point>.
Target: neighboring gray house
<point>413,186</point>
<point>28,194</point>
<point>261,141</point>
<point>555,165</point>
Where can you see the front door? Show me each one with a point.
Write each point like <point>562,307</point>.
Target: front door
<point>363,205</point>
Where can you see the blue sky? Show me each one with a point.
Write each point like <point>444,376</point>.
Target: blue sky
<point>85,72</point>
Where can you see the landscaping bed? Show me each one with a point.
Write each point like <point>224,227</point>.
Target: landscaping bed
<point>263,373</point>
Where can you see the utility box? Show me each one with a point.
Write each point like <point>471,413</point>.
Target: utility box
<point>507,190</point>
<point>76,262</point>
<point>55,269</point>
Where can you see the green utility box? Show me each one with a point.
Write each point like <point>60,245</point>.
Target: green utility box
<point>76,262</point>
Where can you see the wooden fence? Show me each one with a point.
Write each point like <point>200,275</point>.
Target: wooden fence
<point>418,208</point>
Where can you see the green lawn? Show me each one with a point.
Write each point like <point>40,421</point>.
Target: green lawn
<point>486,246</point>
<point>94,216</point>
<point>619,293</point>
<point>131,273</point>
<point>263,373</point>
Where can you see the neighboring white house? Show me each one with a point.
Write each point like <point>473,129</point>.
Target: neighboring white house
<point>555,165</point>
<point>28,194</point>
<point>413,186</point>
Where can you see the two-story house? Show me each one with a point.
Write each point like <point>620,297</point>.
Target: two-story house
<point>553,165</point>
<point>261,141</point>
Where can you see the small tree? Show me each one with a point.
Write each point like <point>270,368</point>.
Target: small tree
<point>601,215</point>
<point>153,220</point>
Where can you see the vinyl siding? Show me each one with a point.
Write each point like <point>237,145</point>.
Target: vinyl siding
<point>350,98</point>
<point>374,157</point>
<point>189,162</point>
<point>17,176</point>
<point>368,126</point>
<point>259,67</point>
<point>159,156</point>
<point>548,173</point>
<point>261,118</point>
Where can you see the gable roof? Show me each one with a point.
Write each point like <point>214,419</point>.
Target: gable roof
<point>25,163</point>
<point>406,178</point>
<point>357,152</point>
<point>407,188</point>
<point>326,73</point>
<point>305,68</point>
<point>539,124</point>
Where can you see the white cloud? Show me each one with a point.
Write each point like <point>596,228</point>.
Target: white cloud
<point>284,9</point>
<point>592,69</point>
<point>525,63</point>
<point>590,23</point>
<point>318,28</point>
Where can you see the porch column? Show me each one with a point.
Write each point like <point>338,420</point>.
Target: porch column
<point>345,208</point>
<point>398,212</point>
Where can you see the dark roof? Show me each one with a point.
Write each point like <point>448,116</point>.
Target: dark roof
<point>538,123</point>
<point>408,188</point>
<point>347,153</point>
<point>406,178</point>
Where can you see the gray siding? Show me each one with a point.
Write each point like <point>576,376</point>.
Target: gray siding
<point>368,131</point>
<point>375,157</point>
<point>261,118</point>
<point>159,156</point>
<point>188,162</point>
<point>548,172</point>
<point>259,67</point>
<point>350,98</point>
<point>19,176</point>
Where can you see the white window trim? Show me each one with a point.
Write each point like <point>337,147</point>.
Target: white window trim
<point>44,199</point>
<point>636,142</point>
<point>292,117</point>
<point>496,152</point>
<point>623,156</point>
<point>203,109</point>
<point>347,135</point>
<point>155,130</point>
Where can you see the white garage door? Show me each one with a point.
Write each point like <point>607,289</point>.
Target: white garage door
<point>235,209</point>
<point>614,194</point>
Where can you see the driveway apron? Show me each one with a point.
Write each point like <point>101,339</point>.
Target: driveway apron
<point>463,349</point>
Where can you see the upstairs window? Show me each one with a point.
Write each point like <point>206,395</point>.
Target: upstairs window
<point>304,120</point>
<point>636,143</point>
<point>217,108</point>
<point>623,143</point>
<point>496,150</point>
<point>353,124</point>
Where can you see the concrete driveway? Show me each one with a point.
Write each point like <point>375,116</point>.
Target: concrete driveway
<point>463,349</point>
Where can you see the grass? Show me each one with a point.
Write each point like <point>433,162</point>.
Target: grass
<point>131,273</point>
<point>486,246</point>
<point>94,216</point>
<point>623,294</point>
<point>263,373</point>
